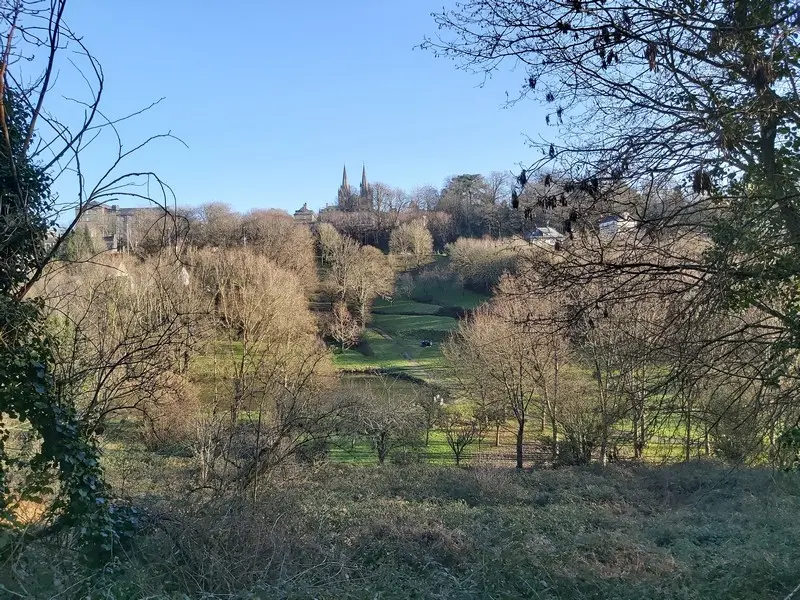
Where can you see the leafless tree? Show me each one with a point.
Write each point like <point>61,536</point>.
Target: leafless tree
<point>460,433</point>
<point>425,198</point>
<point>412,238</point>
<point>492,357</point>
<point>371,276</point>
<point>551,353</point>
<point>273,371</point>
<point>431,401</point>
<point>125,333</point>
<point>677,116</point>
<point>388,417</point>
<point>37,35</point>
<point>289,245</point>
<point>342,327</point>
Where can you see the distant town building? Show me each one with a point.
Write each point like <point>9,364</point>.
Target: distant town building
<point>116,227</point>
<point>304,216</point>
<point>548,235</point>
<point>614,224</point>
<point>347,200</point>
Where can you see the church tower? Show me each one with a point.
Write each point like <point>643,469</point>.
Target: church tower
<point>345,193</point>
<point>365,193</point>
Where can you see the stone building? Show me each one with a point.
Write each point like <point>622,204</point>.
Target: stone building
<point>116,228</point>
<point>304,216</point>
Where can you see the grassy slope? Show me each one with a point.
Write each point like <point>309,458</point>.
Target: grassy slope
<point>686,532</point>
<point>392,340</point>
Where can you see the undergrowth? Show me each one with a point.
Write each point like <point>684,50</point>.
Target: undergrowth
<point>695,530</point>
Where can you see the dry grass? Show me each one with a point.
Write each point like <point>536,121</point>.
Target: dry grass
<point>685,531</point>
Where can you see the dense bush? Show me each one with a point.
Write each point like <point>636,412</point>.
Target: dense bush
<point>683,532</point>
<point>481,263</point>
<point>435,282</point>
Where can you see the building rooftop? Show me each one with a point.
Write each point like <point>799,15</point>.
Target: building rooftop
<point>546,232</point>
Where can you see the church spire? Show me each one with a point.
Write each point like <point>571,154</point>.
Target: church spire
<point>343,198</point>
<point>365,191</point>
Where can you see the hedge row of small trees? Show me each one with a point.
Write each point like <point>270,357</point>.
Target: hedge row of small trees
<point>643,374</point>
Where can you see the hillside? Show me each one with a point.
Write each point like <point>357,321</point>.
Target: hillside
<point>684,532</point>
<point>393,339</point>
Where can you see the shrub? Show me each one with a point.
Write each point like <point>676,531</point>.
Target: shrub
<point>313,452</point>
<point>169,421</point>
<point>435,282</point>
<point>481,263</point>
<point>404,457</point>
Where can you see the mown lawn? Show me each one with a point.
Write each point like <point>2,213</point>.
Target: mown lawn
<point>414,327</point>
<point>393,342</point>
<point>453,296</point>
<point>404,307</point>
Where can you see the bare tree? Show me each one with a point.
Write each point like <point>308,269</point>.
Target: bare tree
<point>125,334</point>
<point>425,198</point>
<point>329,238</point>
<point>552,351</point>
<point>388,417</point>
<point>492,356</point>
<point>342,327</point>
<point>498,186</point>
<point>412,238</point>
<point>217,225</point>
<point>274,373</point>
<point>459,432</point>
<point>40,145</point>
<point>685,119</point>
<point>286,243</point>
<point>371,276</point>
<point>431,402</point>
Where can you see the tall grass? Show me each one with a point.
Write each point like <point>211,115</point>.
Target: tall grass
<point>682,532</point>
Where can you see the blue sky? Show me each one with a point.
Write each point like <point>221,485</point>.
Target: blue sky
<point>273,97</point>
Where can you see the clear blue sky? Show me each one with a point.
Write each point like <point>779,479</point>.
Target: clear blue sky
<point>273,97</point>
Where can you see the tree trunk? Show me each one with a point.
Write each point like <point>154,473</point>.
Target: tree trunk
<point>553,404</point>
<point>497,435</point>
<point>427,435</point>
<point>381,447</point>
<point>688,447</point>
<point>603,449</point>
<point>641,433</point>
<point>256,457</point>
<point>604,442</point>
<point>520,434</point>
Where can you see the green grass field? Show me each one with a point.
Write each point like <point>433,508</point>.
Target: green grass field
<point>404,307</point>
<point>392,342</point>
<point>344,450</point>
<point>458,298</point>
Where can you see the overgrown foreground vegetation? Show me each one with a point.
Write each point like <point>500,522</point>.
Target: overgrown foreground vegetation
<point>174,419</point>
<point>694,530</point>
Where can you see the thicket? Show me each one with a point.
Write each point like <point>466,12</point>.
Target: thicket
<point>623,532</point>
